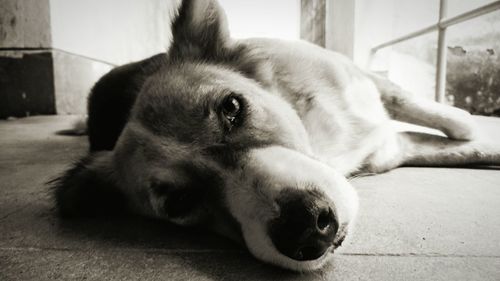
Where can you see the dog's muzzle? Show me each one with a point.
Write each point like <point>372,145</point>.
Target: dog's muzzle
<point>307,225</point>
<point>293,209</point>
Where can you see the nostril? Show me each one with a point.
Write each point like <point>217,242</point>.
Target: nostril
<point>324,220</point>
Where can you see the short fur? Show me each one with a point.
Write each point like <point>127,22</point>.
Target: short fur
<point>163,145</point>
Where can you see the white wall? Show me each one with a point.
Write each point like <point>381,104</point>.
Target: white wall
<point>117,31</point>
<point>120,31</point>
<point>356,26</point>
<point>374,24</point>
<point>353,27</point>
<point>263,18</point>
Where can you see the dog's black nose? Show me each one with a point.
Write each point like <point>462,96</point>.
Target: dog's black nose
<point>306,226</point>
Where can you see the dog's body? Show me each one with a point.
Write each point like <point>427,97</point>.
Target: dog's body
<point>253,139</point>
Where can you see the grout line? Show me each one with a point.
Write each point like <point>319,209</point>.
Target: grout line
<point>153,250</point>
<point>423,255</point>
<point>208,251</point>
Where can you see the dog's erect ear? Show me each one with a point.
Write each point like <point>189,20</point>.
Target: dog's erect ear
<point>89,189</point>
<point>199,30</point>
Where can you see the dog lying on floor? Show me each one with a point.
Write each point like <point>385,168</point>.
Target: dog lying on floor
<point>252,139</point>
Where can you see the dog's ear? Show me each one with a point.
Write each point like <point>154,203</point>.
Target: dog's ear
<point>89,189</point>
<point>199,31</point>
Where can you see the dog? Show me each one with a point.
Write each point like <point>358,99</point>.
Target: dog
<point>253,139</point>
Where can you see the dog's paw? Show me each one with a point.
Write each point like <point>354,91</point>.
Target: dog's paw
<point>78,127</point>
<point>460,125</point>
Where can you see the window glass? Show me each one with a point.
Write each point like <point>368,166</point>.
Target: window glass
<point>456,7</point>
<point>473,69</point>
<point>411,15</point>
<point>410,64</point>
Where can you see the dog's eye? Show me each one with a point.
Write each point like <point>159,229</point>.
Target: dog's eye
<point>231,108</point>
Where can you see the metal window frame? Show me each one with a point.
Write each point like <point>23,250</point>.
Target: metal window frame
<point>441,26</point>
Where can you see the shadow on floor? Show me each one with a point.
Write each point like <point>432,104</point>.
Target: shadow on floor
<point>205,253</point>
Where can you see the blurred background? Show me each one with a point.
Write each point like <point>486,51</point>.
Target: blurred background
<point>53,51</point>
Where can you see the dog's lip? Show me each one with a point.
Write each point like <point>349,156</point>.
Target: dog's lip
<point>338,242</point>
<point>327,253</point>
<point>330,251</point>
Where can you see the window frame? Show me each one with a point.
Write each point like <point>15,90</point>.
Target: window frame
<point>441,26</point>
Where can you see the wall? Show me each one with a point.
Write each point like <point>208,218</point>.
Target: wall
<point>24,24</point>
<point>120,31</point>
<point>53,51</point>
<point>263,18</point>
<point>353,27</point>
<point>26,69</point>
<point>75,42</point>
<point>115,31</point>
<point>312,21</point>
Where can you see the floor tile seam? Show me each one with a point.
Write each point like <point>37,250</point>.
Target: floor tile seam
<point>208,251</point>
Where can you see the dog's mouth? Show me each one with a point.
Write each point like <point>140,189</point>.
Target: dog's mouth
<point>310,251</point>
<point>305,253</point>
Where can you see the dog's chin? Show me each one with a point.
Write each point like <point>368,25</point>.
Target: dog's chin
<point>307,266</point>
<point>285,262</point>
<point>261,247</point>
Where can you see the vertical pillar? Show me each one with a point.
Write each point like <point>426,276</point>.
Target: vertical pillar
<point>312,21</point>
<point>339,29</point>
<point>441,56</point>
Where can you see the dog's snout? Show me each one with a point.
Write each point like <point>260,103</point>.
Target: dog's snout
<point>306,226</point>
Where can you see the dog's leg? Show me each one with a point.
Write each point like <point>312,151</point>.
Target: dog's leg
<point>403,106</point>
<point>420,149</point>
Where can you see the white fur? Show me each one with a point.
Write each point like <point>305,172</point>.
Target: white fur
<point>278,168</point>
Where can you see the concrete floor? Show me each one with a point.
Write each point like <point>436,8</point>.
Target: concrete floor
<point>413,224</point>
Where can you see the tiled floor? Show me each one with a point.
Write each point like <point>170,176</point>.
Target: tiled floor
<point>414,224</point>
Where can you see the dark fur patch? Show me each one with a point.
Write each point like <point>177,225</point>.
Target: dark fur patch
<point>112,98</point>
<point>87,191</point>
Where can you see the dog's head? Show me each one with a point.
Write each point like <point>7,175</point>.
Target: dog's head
<point>208,144</point>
